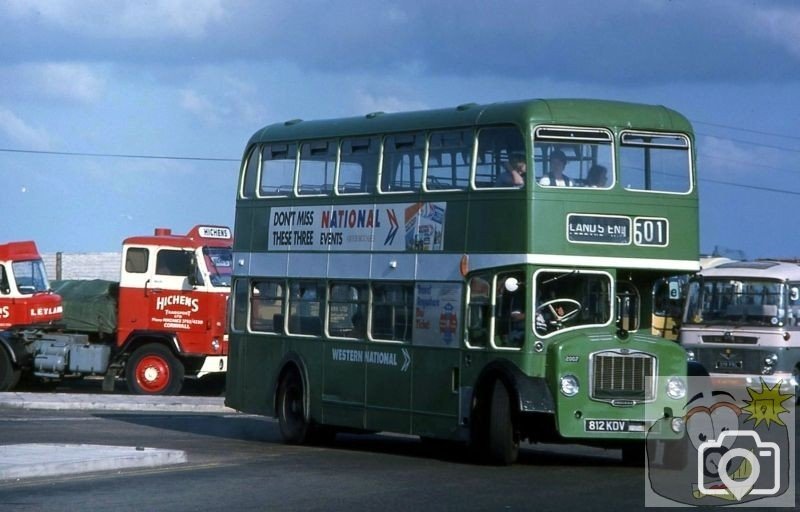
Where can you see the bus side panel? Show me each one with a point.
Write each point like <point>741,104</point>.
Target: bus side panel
<point>388,386</point>
<point>251,377</point>
<point>488,223</point>
<point>435,396</point>
<point>343,383</point>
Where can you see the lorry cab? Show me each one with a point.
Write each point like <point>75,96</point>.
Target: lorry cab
<point>175,287</point>
<point>164,320</point>
<point>25,296</point>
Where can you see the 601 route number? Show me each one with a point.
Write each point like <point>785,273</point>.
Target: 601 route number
<point>650,231</point>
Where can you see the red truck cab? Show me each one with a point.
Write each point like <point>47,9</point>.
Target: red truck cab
<point>174,289</point>
<point>25,296</point>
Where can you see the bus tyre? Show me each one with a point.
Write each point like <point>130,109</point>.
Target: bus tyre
<point>153,370</point>
<point>292,421</point>
<point>503,441</point>
<point>676,454</point>
<point>633,455</point>
<point>9,376</point>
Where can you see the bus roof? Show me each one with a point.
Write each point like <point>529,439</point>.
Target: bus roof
<point>577,112</point>
<point>755,270</point>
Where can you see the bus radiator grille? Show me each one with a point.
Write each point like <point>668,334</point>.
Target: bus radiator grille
<point>623,376</point>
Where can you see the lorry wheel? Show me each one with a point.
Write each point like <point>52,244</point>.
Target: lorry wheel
<point>503,441</point>
<point>291,409</point>
<point>153,370</point>
<point>9,376</point>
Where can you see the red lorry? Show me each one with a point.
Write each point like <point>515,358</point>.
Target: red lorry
<point>163,322</point>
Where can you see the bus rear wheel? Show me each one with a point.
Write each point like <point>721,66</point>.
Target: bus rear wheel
<point>153,370</point>
<point>503,441</point>
<point>9,376</point>
<point>292,420</point>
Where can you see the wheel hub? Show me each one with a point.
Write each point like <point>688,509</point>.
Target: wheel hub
<point>152,373</point>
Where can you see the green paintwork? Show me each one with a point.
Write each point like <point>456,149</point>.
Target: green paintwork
<point>431,396</point>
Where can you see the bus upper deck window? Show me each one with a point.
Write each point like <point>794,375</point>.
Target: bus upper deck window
<point>449,160</point>
<point>402,162</point>
<point>573,157</point>
<point>495,149</point>
<point>277,169</point>
<point>250,180</point>
<point>317,168</point>
<point>655,162</point>
<point>358,165</point>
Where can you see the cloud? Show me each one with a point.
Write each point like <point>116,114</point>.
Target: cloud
<point>623,44</point>
<point>63,80</point>
<point>728,160</point>
<point>68,81</point>
<point>200,106</point>
<point>366,102</point>
<point>19,132</point>
<point>176,18</point>
<point>130,20</point>
<point>780,25</point>
<point>214,101</point>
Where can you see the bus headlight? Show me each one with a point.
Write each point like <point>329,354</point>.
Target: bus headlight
<point>569,385</point>
<point>769,364</point>
<point>215,345</point>
<point>677,425</point>
<point>676,388</point>
<point>690,355</point>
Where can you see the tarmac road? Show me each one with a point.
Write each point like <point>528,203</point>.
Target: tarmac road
<point>27,460</point>
<point>78,451</point>
<point>85,451</point>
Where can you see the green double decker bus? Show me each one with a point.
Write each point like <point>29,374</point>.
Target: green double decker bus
<point>479,274</point>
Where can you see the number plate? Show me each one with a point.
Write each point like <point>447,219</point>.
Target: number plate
<point>729,365</point>
<point>613,426</point>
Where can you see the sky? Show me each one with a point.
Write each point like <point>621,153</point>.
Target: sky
<point>118,117</point>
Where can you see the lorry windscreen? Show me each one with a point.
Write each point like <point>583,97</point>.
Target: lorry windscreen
<point>219,261</point>
<point>30,276</point>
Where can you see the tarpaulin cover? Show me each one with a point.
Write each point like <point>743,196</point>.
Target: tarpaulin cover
<point>90,306</point>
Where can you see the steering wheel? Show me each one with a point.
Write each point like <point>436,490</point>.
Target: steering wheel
<point>569,315</point>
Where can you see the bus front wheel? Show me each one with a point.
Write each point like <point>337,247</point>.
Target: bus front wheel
<point>291,410</point>
<point>9,376</point>
<point>502,438</point>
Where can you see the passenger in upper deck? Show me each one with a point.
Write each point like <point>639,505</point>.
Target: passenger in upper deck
<point>514,176</point>
<point>597,176</point>
<point>556,176</point>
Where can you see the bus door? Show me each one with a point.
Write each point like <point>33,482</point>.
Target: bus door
<point>388,358</point>
<point>344,374</point>
<point>496,327</point>
<point>436,358</point>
